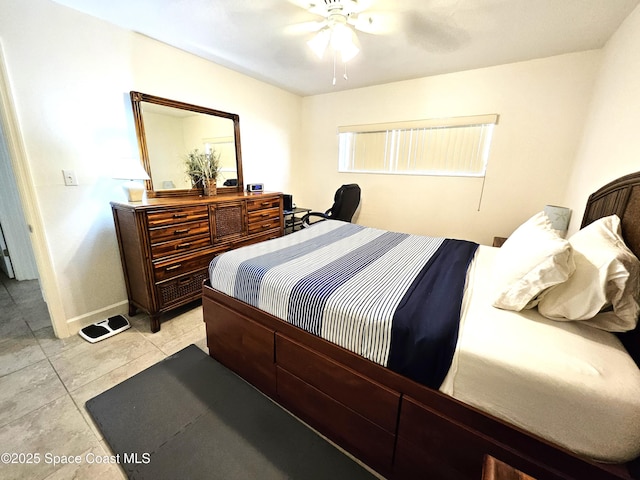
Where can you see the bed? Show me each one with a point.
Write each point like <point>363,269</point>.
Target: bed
<point>554,399</point>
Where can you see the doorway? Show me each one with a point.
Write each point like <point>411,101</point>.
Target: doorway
<point>18,203</point>
<point>5,260</point>
<point>14,231</point>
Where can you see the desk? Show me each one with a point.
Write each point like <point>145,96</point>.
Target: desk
<point>293,219</point>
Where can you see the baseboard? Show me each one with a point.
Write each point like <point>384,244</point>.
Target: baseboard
<point>76,323</point>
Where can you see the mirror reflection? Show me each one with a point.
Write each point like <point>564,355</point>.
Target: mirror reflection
<point>172,134</point>
<point>168,131</point>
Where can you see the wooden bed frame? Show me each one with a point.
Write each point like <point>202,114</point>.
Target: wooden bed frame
<point>398,427</point>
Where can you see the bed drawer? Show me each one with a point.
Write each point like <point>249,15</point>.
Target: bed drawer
<point>372,400</point>
<point>262,203</point>
<point>456,451</point>
<point>363,438</point>
<point>243,346</point>
<point>451,448</point>
<point>177,215</point>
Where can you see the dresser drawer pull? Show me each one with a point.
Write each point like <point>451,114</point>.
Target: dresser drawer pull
<point>179,215</point>
<point>184,230</point>
<point>172,267</point>
<point>266,225</point>
<point>265,215</point>
<point>183,245</point>
<point>264,204</point>
<point>184,281</point>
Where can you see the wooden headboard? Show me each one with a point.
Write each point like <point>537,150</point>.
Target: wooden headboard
<point>620,197</point>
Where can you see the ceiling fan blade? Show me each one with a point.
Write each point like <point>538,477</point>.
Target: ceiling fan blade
<point>302,3</point>
<point>316,7</point>
<point>362,5</point>
<point>304,27</point>
<point>434,33</point>
<point>376,23</point>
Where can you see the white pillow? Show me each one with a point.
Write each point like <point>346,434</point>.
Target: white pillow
<point>532,259</point>
<point>607,277</point>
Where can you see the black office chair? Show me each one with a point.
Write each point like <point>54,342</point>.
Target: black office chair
<point>345,204</point>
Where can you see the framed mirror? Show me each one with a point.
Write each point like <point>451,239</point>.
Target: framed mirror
<point>169,130</point>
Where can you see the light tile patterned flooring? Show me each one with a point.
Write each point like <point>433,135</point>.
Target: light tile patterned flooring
<point>45,382</point>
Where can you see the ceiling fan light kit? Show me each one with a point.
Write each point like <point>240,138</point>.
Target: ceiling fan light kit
<point>336,32</point>
<point>339,37</point>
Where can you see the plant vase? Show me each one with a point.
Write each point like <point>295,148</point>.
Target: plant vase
<point>203,168</point>
<point>210,190</point>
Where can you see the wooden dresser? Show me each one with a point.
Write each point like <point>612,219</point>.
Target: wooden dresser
<point>166,244</point>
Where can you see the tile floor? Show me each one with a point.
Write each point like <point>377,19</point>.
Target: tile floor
<point>45,381</point>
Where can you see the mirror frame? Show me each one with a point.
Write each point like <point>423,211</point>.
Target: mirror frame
<point>136,99</point>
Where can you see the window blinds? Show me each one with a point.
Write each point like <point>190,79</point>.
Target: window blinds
<point>452,146</point>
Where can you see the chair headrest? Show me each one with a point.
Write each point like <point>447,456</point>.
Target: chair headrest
<point>346,201</point>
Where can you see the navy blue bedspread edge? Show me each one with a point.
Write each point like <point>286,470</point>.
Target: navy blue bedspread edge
<point>425,325</point>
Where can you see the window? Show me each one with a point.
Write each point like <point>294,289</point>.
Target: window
<point>452,146</point>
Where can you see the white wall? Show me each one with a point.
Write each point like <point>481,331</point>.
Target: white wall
<point>610,144</point>
<point>542,105</point>
<point>70,76</point>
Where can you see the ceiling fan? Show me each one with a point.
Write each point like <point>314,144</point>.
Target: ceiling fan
<point>336,31</point>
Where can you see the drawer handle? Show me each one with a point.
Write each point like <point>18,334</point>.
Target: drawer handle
<point>172,267</point>
<point>184,230</point>
<point>179,215</point>
<point>184,281</point>
<point>264,204</point>
<point>184,245</point>
<point>264,215</point>
<point>266,225</point>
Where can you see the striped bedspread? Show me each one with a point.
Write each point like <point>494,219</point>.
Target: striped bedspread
<point>393,298</point>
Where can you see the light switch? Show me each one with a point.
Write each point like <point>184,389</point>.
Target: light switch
<point>70,178</point>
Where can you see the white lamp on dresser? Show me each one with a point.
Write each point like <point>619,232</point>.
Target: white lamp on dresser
<point>133,172</point>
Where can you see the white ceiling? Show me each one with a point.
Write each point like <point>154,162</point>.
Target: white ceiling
<point>262,38</point>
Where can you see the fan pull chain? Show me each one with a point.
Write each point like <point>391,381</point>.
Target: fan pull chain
<point>345,72</point>
<point>334,67</point>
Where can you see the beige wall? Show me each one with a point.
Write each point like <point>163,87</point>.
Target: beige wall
<point>70,75</point>
<point>542,105</point>
<point>610,144</point>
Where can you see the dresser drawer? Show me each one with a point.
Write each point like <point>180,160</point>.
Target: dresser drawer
<point>264,226</point>
<point>182,245</point>
<point>263,220</point>
<point>180,230</point>
<point>164,270</point>
<point>269,235</point>
<point>182,289</point>
<point>177,215</point>
<point>259,204</point>
<point>264,214</point>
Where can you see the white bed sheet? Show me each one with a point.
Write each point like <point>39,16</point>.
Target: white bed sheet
<point>564,381</point>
